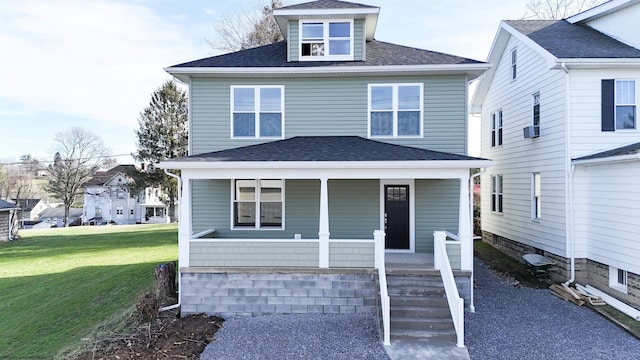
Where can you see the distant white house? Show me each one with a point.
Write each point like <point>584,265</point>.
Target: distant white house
<point>55,216</point>
<point>559,118</point>
<point>107,199</point>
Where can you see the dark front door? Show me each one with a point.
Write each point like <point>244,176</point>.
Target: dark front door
<point>396,216</point>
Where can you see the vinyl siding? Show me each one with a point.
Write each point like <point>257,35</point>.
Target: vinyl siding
<point>358,40</point>
<point>622,25</point>
<point>436,209</point>
<point>294,40</point>
<point>351,255</point>
<point>354,208</point>
<point>585,96</point>
<point>518,158</point>
<point>607,200</point>
<point>254,253</point>
<point>330,107</point>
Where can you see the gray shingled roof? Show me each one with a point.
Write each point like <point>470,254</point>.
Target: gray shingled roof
<point>565,40</point>
<point>378,54</point>
<point>6,206</point>
<point>328,4</point>
<point>623,150</point>
<point>324,148</point>
<point>101,177</point>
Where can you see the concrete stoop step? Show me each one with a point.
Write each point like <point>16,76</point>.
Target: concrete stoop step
<point>419,309</point>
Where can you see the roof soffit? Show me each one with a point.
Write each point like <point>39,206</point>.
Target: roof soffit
<point>601,10</point>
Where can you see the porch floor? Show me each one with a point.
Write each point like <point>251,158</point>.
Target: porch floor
<point>399,262</point>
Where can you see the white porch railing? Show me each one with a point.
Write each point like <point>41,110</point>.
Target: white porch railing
<point>378,236</point>
<point>456,303</point>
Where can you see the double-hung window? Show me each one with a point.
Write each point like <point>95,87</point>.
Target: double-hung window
<point>618,104</point>
<point>496,128</point>
<point>514,63</point>
<point>257,111</point>
<point>496,193</point>
<point>258,204</point>
<point>395,110</point>
<point>536,197</point>
<point>326,40</point>
<point>536,111</point>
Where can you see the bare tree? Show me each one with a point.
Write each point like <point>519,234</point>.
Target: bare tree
<point>78,154</point>
<point>557,9</point>
<point>248,29</point>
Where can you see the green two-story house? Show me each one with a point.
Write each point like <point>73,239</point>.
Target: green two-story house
<point>300,150</point>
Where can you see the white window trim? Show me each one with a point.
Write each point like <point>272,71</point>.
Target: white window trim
<point>395,112</point>
<point>496,126</point>
<point>534,198</point>
<point>615,104</point>
<point>257,226</point>
<point>613,280</point>
<point>514,64</point>
<point>495,195</point>
<point>326,39</point>
<point>256,89</point>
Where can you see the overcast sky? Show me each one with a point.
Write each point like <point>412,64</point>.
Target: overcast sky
<point>95,63</point>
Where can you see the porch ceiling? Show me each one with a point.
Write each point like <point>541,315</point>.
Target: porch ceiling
<point>320,156</point>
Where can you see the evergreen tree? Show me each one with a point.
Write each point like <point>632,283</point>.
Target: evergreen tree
<point>162,134</point>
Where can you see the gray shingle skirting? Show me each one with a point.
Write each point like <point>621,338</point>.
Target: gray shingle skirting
<point>587,271</point>
<point>254,292</point>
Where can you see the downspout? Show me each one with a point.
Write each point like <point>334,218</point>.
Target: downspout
<point>472,306</point>
<point>165,308</point>
<point>569,168</point>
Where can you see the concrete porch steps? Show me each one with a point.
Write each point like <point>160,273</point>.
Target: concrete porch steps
<point>419,309</point>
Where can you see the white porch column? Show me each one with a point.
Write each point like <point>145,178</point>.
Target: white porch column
<point>464,227</point>
<point>323,229</point>
<point>184,225</point>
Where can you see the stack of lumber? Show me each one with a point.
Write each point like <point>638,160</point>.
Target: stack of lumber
<point>576,296</point>
<point>565,292</point>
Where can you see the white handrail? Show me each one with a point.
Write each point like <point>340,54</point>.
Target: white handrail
<point>202,233</point>
<point>456,303</point>
<point>385,302</point>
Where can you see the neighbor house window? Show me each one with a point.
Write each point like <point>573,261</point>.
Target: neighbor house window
<point>258,204</point>
<point>395,110</point>
<point>496,193</point>
<point>514,63</point>
<point>326,40</point>
<point>119,211</point>
<point>257,111</point>
<point>618,104</point>
<point>496,128</point>
<point>536,110</point>
<point>536,198</point>
<point>618,279</point>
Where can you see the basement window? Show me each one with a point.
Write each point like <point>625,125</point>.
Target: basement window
<point>618,279</point>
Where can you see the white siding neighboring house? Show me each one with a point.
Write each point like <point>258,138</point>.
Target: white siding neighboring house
<point>108,200</point>
<point>55,216</point>
<point>568,105</point>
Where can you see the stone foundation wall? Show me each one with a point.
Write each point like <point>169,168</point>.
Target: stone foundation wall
<point>231,294</point>
<point>561,273</point>
<point>599,278</point>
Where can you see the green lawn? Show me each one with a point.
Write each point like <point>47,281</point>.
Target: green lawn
<point>56,285</point>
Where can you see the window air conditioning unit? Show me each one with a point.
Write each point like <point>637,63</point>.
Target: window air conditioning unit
<point>531,132</point>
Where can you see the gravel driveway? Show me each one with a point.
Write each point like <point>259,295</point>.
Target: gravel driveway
<point>312,336</point>
<point>525,323</point>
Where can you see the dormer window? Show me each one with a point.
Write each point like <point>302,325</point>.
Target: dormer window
<point>326,40</point>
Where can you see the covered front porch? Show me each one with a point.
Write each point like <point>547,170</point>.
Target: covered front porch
<point>324,216</point>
